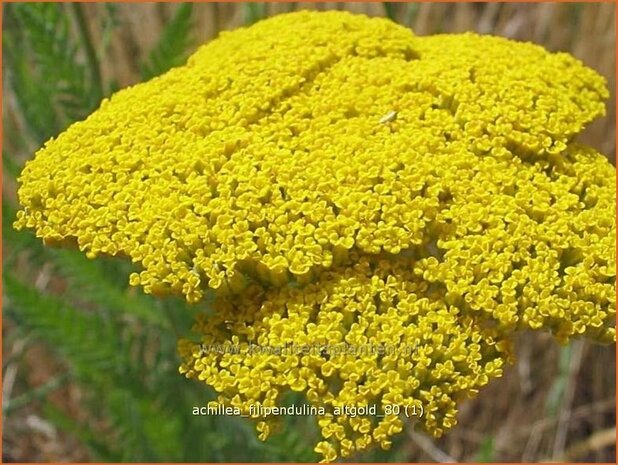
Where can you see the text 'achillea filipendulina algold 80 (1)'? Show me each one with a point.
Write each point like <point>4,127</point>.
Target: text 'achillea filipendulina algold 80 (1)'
<point>331,179</point>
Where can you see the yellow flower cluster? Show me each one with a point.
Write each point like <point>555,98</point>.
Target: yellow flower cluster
<point>370,335</point>
<point>337,179</point>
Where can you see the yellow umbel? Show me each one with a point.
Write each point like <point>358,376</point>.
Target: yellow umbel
<point>337,179</point>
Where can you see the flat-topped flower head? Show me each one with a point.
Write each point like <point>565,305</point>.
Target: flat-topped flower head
<point>266,151</point>
<point>346,181</point>
<point>373,335</point>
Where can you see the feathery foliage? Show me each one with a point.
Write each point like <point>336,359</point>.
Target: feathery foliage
<point>253,12</point>
<point>88,340</point>
<point>53,84</point>
<point>172,48</point>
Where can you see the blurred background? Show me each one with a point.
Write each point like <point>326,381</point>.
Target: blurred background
<point>90,367</point>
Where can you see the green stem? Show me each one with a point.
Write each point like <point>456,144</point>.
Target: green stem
<point>36,393</point>
<point>91,54</point>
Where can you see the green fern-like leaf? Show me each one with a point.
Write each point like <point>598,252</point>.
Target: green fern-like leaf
<point>74,82</point>
<point>172,47</point>
<point>53,86</point>
<point>102,356</point>
<point>33,95</point>
<point>254,12</point>
<point>88,278</point>
<point>86,340</point>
